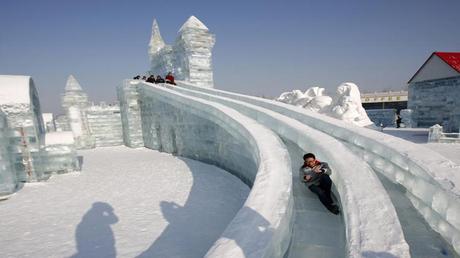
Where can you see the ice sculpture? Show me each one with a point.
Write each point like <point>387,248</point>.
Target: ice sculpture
<point>75,102</point>
<point>190,58</point>
<point>19,101</point>
<point>7,175</point>
<point>59,153</point>
<point>33,159</point>
<point>313,99</point>
<point>319,101</point>
<point>347,105</point>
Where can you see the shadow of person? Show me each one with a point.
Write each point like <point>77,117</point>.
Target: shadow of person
<point>185,233</point>
<point>257,233</point>
<point>94,235</point>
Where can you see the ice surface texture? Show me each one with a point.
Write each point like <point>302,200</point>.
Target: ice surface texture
<point>432,182</point>
<point>361,192</point>
<point>218,135</point>
<point>190,58</point>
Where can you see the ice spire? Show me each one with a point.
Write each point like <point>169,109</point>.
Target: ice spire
<point>193,23</point>
<point>156,41</point>
<point>72,84</point>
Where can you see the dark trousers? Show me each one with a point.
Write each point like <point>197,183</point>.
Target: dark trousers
<point>323,190</point>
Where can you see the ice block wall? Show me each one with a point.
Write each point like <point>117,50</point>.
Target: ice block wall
<point>7,174</point>
<point>186,131</point>
<point>62,123</point>
<point>436,102</point>
<point>20,103</point>
<point>59,154</point>
<point>432,182</point>
<point>382,117</point>
<point>218,135</point>
<point>128,97</point>
<point>104,123</point>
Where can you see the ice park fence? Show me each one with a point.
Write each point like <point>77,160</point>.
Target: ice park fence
<point>350,174</point>
<point>436,134</point>
<point>430,180</point>
<point>104,123</point>
<point>215,134</point>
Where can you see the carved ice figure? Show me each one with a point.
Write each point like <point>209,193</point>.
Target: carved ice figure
<point>295,97</point>
<point>318,100</point>
<point>313,99</point>
<point>347,105</point>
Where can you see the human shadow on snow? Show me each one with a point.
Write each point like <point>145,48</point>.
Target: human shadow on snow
<point>94,236</point>
<point>194,227</point>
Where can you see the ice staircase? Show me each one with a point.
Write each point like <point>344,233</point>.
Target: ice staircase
<point>392,203</point>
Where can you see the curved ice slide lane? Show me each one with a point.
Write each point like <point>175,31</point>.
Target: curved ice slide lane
<point>427,180</point>
<point>219,135</point>
<point>317,232</point>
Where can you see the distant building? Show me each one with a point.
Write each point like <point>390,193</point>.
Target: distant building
<point>434,92</point>
<point>385,100</point>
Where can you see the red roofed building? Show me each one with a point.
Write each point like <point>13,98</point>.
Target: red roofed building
<point>434,92</point>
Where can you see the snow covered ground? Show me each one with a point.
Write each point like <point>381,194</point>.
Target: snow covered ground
<point>125,203</point>
<point>420,135</point>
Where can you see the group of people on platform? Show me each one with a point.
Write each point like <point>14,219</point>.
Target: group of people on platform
<point>169,78</point>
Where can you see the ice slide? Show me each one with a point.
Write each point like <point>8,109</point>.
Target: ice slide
<point>317,233</point>
<point>215,134</point>
<point>422,184</point>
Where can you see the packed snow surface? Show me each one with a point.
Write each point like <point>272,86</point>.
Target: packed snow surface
<point>125,203</point>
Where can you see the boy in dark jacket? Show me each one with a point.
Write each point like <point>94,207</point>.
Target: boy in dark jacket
<point>315,175</point>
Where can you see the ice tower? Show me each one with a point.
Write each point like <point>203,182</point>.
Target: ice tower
<point>190,58</point>
<point>193,53</point>
<point>75,102</point>
<point>160,54</point>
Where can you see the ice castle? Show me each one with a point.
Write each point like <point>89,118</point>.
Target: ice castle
<point>394,195</point>
<point>189,59</point>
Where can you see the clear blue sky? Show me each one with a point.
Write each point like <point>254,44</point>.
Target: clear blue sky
<point>262,47</point>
